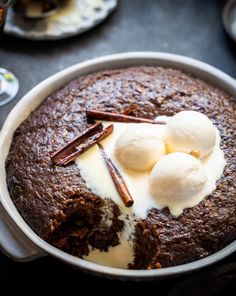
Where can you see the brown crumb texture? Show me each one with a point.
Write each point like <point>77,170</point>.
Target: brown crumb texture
<point>55,201</point>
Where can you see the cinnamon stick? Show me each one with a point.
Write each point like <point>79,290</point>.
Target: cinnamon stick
<point>116,117</point>
<point>82,143</point>
<point>117,179</point>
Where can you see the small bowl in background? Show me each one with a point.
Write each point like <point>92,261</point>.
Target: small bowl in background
<point>229,19</point>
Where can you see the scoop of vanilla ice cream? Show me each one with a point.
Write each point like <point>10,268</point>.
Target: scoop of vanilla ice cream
<point>176,177</point>
<point>190,132</point>
<point>140,146</point>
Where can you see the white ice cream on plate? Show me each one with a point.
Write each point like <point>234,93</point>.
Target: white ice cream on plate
<point>155,179</point>
<point>177,180</point>
<point>190,132</point>
<point>140,146</point>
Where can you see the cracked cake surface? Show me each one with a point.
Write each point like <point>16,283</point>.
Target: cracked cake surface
<point>56,202</point>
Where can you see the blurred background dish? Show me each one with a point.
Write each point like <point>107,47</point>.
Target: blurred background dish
<point>9,84</point>
<point>36,9</point>
<point>73,17</point>
<point>229,19</point>
<point>4,4</point>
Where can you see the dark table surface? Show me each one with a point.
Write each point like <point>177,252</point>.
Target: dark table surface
<point>187,27</point>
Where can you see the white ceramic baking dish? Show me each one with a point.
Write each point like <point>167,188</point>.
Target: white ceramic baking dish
<point>17,239</point>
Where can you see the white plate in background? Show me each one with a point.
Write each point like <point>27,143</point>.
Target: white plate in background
<point>75,17</point>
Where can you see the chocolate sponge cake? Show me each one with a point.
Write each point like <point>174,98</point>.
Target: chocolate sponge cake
<point>56,202</point>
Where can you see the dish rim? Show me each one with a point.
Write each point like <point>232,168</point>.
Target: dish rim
<point>46,87</point>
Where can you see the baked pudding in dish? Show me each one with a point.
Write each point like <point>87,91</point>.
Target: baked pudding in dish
<point>130,168</point>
